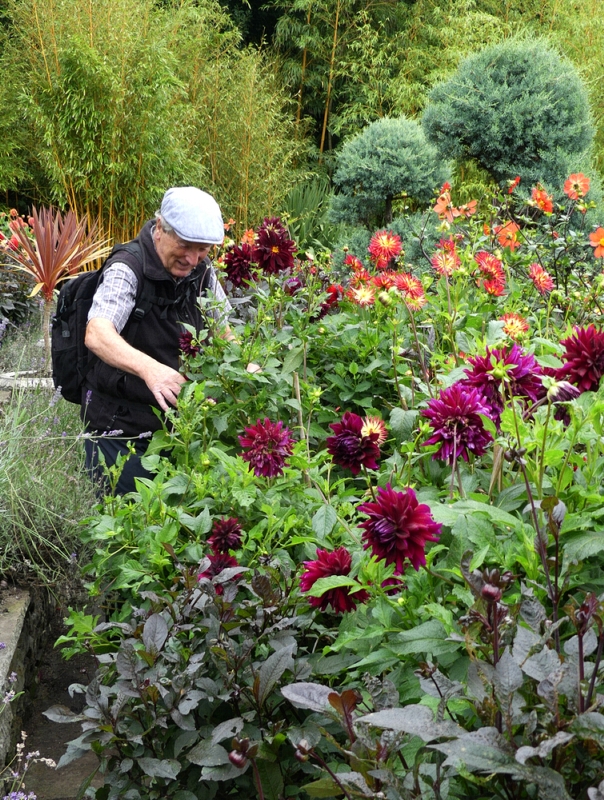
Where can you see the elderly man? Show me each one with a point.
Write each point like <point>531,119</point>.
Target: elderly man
<point>147,290</point>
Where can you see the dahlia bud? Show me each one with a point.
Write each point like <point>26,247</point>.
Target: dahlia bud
<point>492,594</point>
<point>385,299</point>
<point>562,392</point>
<point>238,760</point>
<point>302,750</point>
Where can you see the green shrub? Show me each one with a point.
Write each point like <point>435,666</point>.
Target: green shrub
<point>389,159</point>
<point>516,108</point>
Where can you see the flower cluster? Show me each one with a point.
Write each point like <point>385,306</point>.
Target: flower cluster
<point>326,565</point>
<point>411,289</point>
<point>447,211</point>
<point>267,446</point>
<point>355,443</point>
<point>542,199</point>
<point>398,528</point>
<point>458,429</point>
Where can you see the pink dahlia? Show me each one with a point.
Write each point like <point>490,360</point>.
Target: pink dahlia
<point>187,345</point>
<point>458,428</point>
<point>398,528</point>
<point>351,447</point>
<point>226,535</point>
<point>354,262</point>
<point>273,250</point>
<point>237,263</point>
<point>542,280</point>
<point>501,372</point>
<point>583,358</point>
<point>267,445</point>
<point>337,562</point>
<point>384,247</point>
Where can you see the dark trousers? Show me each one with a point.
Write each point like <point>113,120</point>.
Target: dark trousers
<point>111,448</point>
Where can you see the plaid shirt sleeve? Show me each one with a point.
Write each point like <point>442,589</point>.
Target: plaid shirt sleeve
<point>115,297</point>
<point>221,308</point>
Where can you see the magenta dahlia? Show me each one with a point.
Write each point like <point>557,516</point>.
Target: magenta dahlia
<point>226,535</point>
<point>267,445</point>
<point>187,345</point>
<point>351,447</point>
<point>336,562</point>
<point>501,372</point>
<point>458,428</point>
<point>237,263</point>
<point>218,563</point>
<point>398,528</point>
<point>273,250</point>
<point>583,358</point>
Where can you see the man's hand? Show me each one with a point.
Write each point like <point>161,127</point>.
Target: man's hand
<point>106,343</point>
<point>164,382</point>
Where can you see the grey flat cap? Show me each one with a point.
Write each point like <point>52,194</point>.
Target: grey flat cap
<point>194,215</point>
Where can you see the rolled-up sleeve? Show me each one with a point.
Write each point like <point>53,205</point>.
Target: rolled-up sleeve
<point>115,296</point>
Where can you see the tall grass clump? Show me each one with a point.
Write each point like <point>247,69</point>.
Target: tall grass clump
<point>118,99</point>
<point>44,491</point>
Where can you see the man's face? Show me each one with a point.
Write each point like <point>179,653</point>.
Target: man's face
<point>178,257</point>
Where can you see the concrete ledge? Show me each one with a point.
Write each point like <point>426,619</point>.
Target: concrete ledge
<point>24,380</point>
<point>24,630</point>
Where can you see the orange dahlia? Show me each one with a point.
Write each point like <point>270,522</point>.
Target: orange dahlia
<point>576,185</point>
<point>542,199</point>
<point>411,288</point>
<point>596,240</point>
<point>491,273</point>
<point>514,325</point>
<point>507,235</point>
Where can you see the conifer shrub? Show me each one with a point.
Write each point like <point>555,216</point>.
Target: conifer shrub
<point>387,160</point>
<point>516,108</point>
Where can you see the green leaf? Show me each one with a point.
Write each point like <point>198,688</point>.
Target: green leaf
<point>323,585</point>
<point>159,768</point>
<point>589,726</point>
<point>324,787</point>
<point>583,546</point>
<point>403,423</point>
<point>323,521</point>
<point>208,754</point>
<point>271,779</point>
<point>416,720</point>
<point>293,360</point>
<point>426,638</point>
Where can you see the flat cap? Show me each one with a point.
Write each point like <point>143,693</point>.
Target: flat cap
<point>194,215</point>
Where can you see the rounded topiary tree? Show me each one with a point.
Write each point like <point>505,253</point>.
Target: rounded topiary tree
<point>516,108</point>
<point>387,159</point>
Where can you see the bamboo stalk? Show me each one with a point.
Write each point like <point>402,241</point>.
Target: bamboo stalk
<point>331,72</point>
<point>303,72</point>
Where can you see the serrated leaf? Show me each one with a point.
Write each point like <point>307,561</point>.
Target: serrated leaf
<point>159,768</point>
<point>227,729</point>
<point>323,521</point>
<point>584,545</point>
<point>416,720</point>
<point>272,670</point>
<point>312,696</point>
<point>208,754</point>
<point>60,713</point>
<point>155,633</point>
<point>507,677</point>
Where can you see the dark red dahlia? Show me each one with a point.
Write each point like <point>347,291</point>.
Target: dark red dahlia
<point>458,428</point>
<point>237,263</point>
<point>501,372</point>
<point>226,535</point>
<point>398,528</point>
<point>185,342</point>
<point>273,250</point>
<point>218,563</point>
<point>583,358</point>
<point>350,448</point>
<point>338,562</point>
<point>267,446</point>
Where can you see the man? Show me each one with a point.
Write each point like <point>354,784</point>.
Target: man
<point>135,336</point>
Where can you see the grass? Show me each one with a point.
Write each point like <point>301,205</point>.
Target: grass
<point>44,491</point>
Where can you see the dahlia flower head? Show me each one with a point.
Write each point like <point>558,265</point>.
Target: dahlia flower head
<point>226,535</point>
<point>398,528</point>
<point>273,250</point>
<point>458,428</point>
<point>355,443</point>
<point>583,358</point>
<point>237,264</point>
<point>502,372</point>
<point>267,446</point>
<point>326,565</point>
<point>218,563</point>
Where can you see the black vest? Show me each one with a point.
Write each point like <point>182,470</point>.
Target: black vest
<point>115,400</point>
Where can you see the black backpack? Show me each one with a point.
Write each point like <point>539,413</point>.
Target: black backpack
<point>71,359</point>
